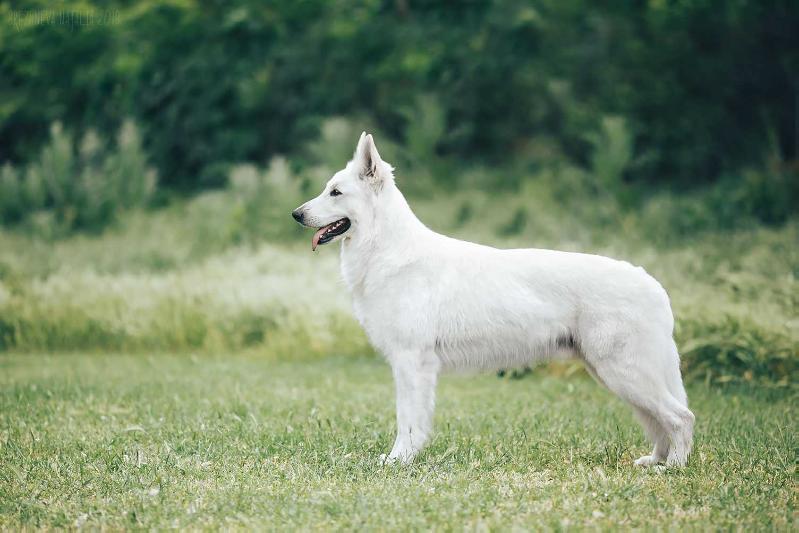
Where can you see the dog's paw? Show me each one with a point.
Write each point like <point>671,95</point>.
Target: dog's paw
<point>386,459</point>
<point>647,461</point>
<point>396,458</point>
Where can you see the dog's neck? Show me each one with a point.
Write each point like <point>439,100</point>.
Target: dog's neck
<point>387,229</point>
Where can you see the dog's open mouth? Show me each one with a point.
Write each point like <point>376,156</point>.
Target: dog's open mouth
<point>325,234</point>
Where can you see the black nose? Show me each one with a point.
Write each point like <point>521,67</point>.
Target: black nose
<point>297,215</point>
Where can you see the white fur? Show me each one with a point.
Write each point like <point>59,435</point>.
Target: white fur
<point>431,303</point>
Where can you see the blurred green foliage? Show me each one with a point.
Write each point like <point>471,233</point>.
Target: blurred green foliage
<point>262,200</point>
<point>66,189</point>
<point>697,90</point>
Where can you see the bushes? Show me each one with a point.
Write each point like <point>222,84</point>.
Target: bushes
<point>264,200</point>
<point>66,189</point>
<point>734,350</point>
<point>744,200</point>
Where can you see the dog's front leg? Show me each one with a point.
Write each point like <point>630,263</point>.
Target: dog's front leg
<point>415,377</point>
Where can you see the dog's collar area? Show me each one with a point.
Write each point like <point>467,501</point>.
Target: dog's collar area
<point>325,234</point>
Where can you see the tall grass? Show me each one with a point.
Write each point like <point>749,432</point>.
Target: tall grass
<point>733,300</point>
<point>272,300</point>
<point>230,270</point>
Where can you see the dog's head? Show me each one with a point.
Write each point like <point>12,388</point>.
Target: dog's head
<point>348,200</point>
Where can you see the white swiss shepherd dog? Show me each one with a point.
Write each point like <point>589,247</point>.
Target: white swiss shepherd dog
<point>431,303</point>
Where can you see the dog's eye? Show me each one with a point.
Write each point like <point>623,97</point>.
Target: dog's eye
<point>335,192</point>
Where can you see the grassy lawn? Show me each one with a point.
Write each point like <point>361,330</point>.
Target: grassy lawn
<point>179,441</point>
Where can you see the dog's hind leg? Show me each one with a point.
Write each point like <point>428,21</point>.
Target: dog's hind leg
<point>654,432</point>
<point>645,374</point>
<point>657,435</point>
<point>415,377</point>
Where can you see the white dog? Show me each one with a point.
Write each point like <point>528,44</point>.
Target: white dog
<point>430,303</point>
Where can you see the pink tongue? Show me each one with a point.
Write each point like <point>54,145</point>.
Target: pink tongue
<point>317,236</point>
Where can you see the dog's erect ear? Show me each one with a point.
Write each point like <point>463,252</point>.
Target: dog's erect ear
<point>368,162</point>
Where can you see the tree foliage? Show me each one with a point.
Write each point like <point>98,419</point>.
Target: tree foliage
<point>704,87</point>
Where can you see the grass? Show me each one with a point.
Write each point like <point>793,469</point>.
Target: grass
<point>177,279</point>
<point>161,441</point>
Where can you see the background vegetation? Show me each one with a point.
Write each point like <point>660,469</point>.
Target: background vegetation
<point>150,155</point>
<point>689,92</point>
<point>229,270</point>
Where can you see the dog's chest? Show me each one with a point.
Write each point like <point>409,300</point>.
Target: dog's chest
<point>374,293</point>
<point>390,297</point>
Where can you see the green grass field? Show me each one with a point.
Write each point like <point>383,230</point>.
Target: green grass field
<point>161,441</point>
